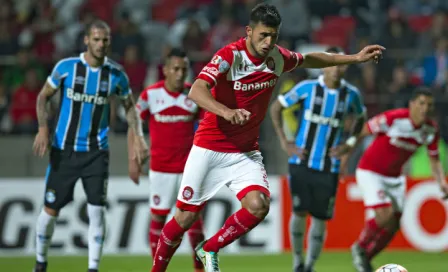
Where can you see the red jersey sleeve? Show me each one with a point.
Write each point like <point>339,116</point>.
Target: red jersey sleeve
<point>292,59</point>
<point>143,105</point>
<point>381,122</point>
<point>433,146</point>
<point>218,67</point>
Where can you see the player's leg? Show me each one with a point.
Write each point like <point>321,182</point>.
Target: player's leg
<point>95,176</point>
<point>375,197</point>
<point>323,194</point>
<point>61,178</point>
<point>196,188</point>
<point>196,236</point>
<point>300,195</point>
<point>163,188</point>
<point>396,190</point>
<point>249,182</point>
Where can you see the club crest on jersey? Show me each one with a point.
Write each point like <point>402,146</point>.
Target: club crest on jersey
<point>104,85</point>
<point>50,196</point>
<point>188,102</point>
<point>270,63</point>
<point>188,192</point>
<point>216,59</point>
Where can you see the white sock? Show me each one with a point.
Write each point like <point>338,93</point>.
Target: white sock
<point>97,231</point>
<point>316,238</point>
<point>297,225</point>
<point>44,231</point>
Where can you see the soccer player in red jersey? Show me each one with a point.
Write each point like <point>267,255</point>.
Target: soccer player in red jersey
<point>172,117</point>
<point>235,88</point>
<point>398,134</point>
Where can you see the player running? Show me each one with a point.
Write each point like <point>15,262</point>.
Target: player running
<point>172,117</point>
<point>314,156</point>
<point>398,134</point>
<point>235,88</point>
<point>79,149</point>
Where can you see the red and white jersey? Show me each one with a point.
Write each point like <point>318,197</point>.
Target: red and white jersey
<point>397,138</point>
<point>171,126</point>
<point>240,80</point>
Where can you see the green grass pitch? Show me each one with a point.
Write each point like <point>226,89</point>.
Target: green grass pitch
<point>329,262</point>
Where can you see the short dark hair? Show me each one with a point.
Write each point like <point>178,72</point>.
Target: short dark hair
<point>266,14</point>
<point>335,50</point>
<point>419,91</point>
<point>175,52</point>
<point>97,24</point>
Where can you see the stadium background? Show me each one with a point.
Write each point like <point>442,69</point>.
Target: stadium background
<point>35,34</point>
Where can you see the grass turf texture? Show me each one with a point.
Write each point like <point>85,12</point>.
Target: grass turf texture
<point>329,262</point>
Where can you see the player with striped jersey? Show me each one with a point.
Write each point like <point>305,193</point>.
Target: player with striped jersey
<point>79,149</point>
<point>314,156</point>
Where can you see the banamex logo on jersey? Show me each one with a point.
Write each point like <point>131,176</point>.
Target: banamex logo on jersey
<point>238,86</point>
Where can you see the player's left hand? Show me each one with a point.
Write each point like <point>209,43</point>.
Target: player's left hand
<point>371,52</point>
<point>140,150</point>
<point>444,188</point>
<point>340,150</point>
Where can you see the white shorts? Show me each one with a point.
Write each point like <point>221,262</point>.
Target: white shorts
<point>206,171</point>
<point>381,191</point>
<point>163,188</point>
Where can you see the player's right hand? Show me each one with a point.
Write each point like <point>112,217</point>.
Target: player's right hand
<point>134,170</point>
<point>40,145</point>
<point>237,116</point>
<point>291,149</point>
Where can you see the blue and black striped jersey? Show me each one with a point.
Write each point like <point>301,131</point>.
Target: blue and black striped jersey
<point>83,121</point>
<point>321,119</point>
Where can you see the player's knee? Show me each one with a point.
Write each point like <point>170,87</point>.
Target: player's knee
<point>185,219</point>
<point>158,217</point>
<point>51,211</point>
<point>384,216</point>
<point>96,214</point>
<point>257,204</point>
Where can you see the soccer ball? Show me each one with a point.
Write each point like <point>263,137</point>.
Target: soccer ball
<point>391,268</point>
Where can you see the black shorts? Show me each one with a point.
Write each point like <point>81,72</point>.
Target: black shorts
<point>313,191</point>
<point>66,167</point>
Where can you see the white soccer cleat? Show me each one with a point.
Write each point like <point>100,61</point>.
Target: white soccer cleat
<point>360,261</point>
<point>210,260</point>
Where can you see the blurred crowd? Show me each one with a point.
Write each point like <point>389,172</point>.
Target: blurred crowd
<point>35,34</point>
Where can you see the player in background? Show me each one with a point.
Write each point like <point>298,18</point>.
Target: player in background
<point>314,156</point>
<point>398,133</point>
<point>235,89</point>
<point>172,117</point>
<point>79,149</point>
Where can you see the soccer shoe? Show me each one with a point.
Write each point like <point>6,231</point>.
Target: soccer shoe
<point>40,267</point>
<point>360,261</point>
<point>309,269</point>
<point>299,268</point>
<point>92,270</point>
<point>210,260</point>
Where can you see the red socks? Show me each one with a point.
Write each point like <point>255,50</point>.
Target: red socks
<point>169,241</point>
<point>155,228</point>
<point>369,233</point>
<point>196,235</point>
<point>235,226</point>
<point>380,242</point>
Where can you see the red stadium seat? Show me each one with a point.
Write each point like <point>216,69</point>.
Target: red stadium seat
<point>331,37</point>
<point>420,23</point>
<point>163,11</point>
<point>346,24</point>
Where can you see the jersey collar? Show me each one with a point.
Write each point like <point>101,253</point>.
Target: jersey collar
<point>322,83</point>
<point>83,59</point>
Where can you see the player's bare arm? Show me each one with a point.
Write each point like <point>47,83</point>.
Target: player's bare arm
<point>354,137</point>
<point>323,59</point>
<point>439,175</point>
<point>289,147</point>
<point>201,95</point>
<point>135,132</point>
<point>41,141</point>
